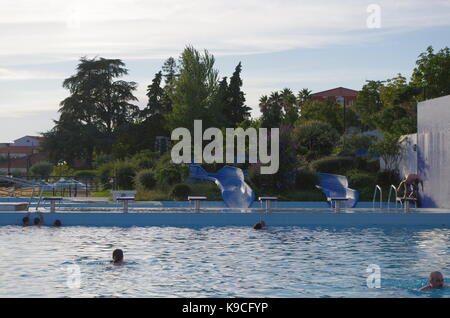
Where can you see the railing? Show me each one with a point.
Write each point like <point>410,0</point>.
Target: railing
<point>392,187</point>
<point>377,188</point>
<point>90,184</point>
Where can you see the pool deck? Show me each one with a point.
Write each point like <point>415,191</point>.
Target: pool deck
<point>187,218</point>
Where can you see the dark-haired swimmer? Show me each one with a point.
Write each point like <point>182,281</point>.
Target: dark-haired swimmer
<point>117,257</point>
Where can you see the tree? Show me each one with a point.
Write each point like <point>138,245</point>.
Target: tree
<point>157,98</point>
<point>194,91</point>
<point>368,103</point>
<point>170,69</point>
<point>315,138</point>
<point>329,112</point>
<point>390,106</point>
<point>96,97</point>
<point>389,149</point>
<point>97,108</point>
<point>432,73</point>
<point>41,169</point>
<point>272,110</point>
<point>303,96</point>
<point>235,109</point>
<point>290,106</point>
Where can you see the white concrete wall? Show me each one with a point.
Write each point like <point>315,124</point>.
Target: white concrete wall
<point>433,127</point>
<point>408,161</point>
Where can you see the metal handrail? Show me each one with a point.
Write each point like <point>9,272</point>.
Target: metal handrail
<point>389,196</point>
<point>377,187</point>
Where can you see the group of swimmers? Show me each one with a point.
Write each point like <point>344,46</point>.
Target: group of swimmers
<point>436,279</point>
<point>38,221</point>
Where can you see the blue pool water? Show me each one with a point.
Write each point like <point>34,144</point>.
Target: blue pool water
<point>220,262</point>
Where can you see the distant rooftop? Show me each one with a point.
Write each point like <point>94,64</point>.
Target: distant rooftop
<point>338,91</point>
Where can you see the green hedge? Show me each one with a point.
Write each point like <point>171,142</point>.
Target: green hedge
<point>363,182</point>
<point>180,191</point>
<point>387,177</point>
<point>336,165</point>
<point>306,180</point>
<point>41,169</point>
<point>125,173</point>
<point>145,179</point>
<point>85,173</point>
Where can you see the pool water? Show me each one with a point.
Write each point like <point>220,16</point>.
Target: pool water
<point>220,261</point>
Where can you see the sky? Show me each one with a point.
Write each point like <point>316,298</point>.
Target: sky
<point>315,44</point>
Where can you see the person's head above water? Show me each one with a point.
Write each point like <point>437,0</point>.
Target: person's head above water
<point>37,221</point>
<point>117,256</point>
<point>259,225</point>
<point>436,280</point>
<point>26,221</point>
<point>57,223</point>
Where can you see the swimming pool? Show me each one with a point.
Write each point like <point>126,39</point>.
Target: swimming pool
<point>220,261</point>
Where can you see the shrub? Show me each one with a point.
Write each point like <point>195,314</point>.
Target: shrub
<point>145,160</point>
<point>125,173</point>
<point>102,159</point>
<point>106,169</point>
<point>389,149</point>
<point>316,137</point>
<point>42,169</point>
<point>257,179</point>
<point>338,165</point>
<point>359,180</point>
<point>168,173</point>
<point>353,144</point>
<point>306,180</point>
<point>145,180</point>
<point>62,169</point>
<point>371,166</point>
<point>180,191</point>
<point>85,173</point>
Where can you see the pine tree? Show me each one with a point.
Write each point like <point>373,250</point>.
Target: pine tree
<point>235,109</point>
<point>155,94</point>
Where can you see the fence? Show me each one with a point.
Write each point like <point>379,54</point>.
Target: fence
<point>73,186</point>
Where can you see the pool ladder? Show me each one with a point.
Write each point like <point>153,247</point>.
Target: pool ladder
<point>377,189</point>
<point>392,189</point>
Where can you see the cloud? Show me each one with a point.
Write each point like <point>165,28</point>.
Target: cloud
<point>14,75</point>
<point>52,30</point>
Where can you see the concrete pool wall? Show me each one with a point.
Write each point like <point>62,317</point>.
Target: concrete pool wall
<point>203,219</point>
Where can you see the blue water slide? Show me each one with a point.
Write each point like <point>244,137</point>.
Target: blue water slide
<point>236,193</point>
<point>333,185</point>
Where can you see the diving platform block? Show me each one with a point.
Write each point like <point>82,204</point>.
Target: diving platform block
<point>268,201</point>
<point>196,201</point>
<point>13,206</point>
<point>125,201</point>
<point>337,202</point>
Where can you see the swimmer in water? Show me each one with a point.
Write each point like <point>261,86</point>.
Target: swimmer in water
<point>117,257</point>
<point>259,225</point>
<point>26,221</point>
<point>57,223</point>
<point>39,220</point>
<point>436,282</point>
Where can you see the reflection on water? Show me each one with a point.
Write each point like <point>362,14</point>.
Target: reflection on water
<point>224,261</point>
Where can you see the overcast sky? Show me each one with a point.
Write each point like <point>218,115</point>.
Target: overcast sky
<point>318,44</point>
